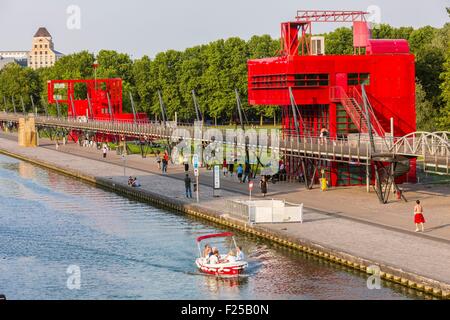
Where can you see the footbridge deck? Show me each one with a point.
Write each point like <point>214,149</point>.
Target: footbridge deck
<point>432,149</point>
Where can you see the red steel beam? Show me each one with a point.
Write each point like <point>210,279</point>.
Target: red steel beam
<point>330,16</point>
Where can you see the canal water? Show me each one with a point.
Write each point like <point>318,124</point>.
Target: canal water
<point>129,250</point>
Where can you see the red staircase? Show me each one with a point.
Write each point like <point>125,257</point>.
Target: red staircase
<point>354,106</point>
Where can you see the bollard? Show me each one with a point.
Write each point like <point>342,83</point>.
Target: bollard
<point>323,184</point>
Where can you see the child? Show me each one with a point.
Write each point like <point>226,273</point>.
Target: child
<point>240,172</point>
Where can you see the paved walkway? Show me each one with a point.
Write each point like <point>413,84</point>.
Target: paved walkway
<point>353,202</point>
<point>369,240</point>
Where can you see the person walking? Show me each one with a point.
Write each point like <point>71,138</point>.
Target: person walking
<point>158,160</point>
<point>323,135</point>
<point>225,167</point>
<point>231,168</point>
<point>246,172</point>
<point>165,162</point>
<point>240,172</point>
<point>104,150</point>
<point>187,185</point>
<point>282,171</point>
<point>419,219</point>
<point>186,164</point>
<point>263,186</point>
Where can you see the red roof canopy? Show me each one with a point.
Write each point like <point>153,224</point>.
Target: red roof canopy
<point>217,235</point>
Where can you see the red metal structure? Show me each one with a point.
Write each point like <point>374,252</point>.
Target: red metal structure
<point>328,88</point>
<point>97,99</point>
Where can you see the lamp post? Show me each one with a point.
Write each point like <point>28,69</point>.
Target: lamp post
<point>124,159</point>
<point>95,66</point>
<point>195,162</point>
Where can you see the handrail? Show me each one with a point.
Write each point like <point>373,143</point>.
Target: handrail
<point>337,93</point>
<point>431,147</point>
<point>373,118</point>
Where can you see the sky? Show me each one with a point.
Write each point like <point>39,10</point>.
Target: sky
<point>146,27</point>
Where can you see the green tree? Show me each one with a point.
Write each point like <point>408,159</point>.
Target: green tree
<point>213,92</point>
<point>117,65</point>
<point>429,66</point>
<point>340,41</point>
<point>444,119</point>
<point>192,68</point>
<point>165,69</point>
<point>73,66</point>
<point>263,47</point>
<point>19,83</point>
<point>383,31</point>
<point>141,74</point>
<point>425,112</point>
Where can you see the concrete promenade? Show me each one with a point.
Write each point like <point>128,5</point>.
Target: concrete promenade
<point>346,226</point>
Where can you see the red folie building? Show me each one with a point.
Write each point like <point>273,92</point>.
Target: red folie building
<point>325,87</point>
<point>96,99</point>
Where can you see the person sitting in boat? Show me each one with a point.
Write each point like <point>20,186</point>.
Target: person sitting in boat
<point>207,252</point>
<point>214,259</point>
<point>239,254</point>
<point>231,257</point>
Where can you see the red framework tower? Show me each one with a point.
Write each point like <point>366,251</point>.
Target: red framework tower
<point>98,99</point>
<point>328,88</point>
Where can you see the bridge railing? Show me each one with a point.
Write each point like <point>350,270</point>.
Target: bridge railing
<point>355,147</point>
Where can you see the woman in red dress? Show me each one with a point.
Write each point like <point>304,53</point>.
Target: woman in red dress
<point>418,216</point>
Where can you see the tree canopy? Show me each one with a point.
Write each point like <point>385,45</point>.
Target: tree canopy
<point>216,69</point>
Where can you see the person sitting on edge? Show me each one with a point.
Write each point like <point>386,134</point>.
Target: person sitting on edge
<point>130,181</point>
<point>136,183</point>
<point>239,254</point>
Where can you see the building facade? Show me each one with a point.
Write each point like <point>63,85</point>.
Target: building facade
<point>43,53</point>
<point>19,57</point>
<point>328,90</point>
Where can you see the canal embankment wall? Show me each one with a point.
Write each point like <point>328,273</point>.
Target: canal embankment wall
<point>391,270</point>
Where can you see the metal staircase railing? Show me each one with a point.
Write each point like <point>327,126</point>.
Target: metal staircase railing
<point>432,149</point>
<point>353,109</point>
<point>353,103</point>
<point>376,126</point>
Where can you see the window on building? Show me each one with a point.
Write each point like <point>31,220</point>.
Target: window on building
<point>269,81</point>
<point>35,46</point>
<point>344,123</point>
<point>355,79</point>
<point>311,80</point>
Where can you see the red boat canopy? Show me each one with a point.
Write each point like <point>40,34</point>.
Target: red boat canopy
<point>218,235</point>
